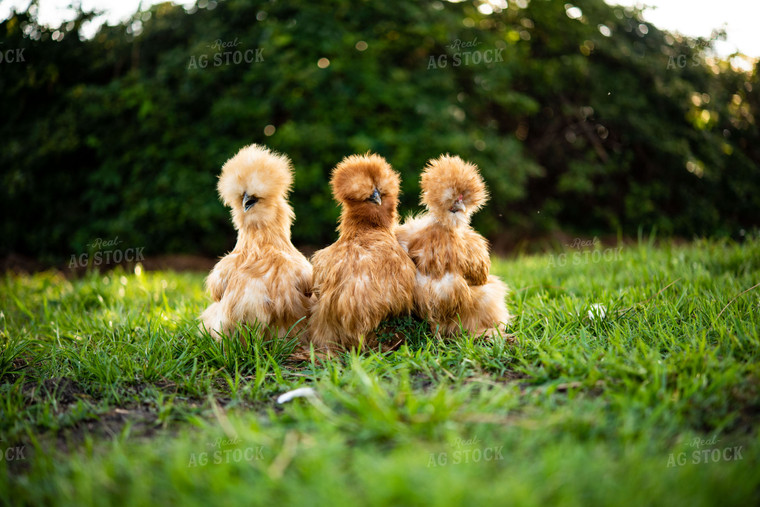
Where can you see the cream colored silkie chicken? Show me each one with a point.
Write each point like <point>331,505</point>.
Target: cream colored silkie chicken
<point>264,278</point>
<point>453,286</point>
<point>365,276</point>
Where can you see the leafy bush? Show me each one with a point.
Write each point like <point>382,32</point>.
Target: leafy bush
<point>584,123</point>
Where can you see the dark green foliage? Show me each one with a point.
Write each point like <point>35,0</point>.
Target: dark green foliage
<point>123,135</point>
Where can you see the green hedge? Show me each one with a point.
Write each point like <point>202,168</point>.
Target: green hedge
<point>124,134</point>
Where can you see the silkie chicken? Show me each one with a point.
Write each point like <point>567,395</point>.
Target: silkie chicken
<point>264,278</point>
<point>365,276</point>
<point>453,288</point>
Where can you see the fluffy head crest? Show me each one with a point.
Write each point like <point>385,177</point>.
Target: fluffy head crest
<point>368,189</point>
<point>255,183</point>
<point>255,170</point>
<point>451,185</point>
<point>356,177</point>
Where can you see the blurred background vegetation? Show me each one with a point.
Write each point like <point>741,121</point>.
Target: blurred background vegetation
<point>587,120</point>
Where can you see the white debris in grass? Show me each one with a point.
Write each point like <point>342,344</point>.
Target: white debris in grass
<point>301,392</point>
<point>597,311</point>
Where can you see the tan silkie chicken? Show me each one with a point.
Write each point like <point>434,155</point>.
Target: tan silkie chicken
<point>264,278</point>
<point>365,276</point>
<point>454,287</point>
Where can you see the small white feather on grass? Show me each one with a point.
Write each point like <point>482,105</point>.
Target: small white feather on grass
<point>301,392</point>
<point>597,311</point>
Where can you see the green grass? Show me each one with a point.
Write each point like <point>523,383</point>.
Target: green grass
<point>113,397</point>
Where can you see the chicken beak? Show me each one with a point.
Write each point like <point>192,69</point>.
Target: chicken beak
<point>248,201</point>
<point>375,197</point>
<point>457,206</point>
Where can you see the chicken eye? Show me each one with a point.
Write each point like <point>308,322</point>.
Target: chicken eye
<point>249,201</point>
